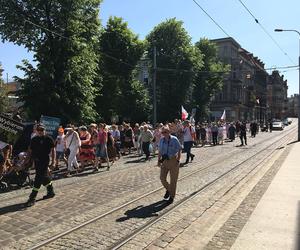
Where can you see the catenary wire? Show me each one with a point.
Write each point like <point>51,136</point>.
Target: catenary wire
<point>62,36</point>
<point>206,13</point>
<point>265,30</point>
<point>159,69</point>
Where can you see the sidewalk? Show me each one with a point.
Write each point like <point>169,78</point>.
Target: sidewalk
<point>275,222</point>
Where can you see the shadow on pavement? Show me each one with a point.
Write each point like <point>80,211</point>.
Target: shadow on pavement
<point>144,212</point>
<point>292,142</point>
<point>135,161</point>
<point>12,208</point>
<point>132,156</point>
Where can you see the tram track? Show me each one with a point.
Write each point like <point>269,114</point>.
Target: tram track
<point>199,191</point>
<point>166,212</point>
<point>77,180</point>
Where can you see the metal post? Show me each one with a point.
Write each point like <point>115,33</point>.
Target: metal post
<point>299,95</point>
<point>280,30</point>
<point>260,112</point>
<point>154,86</point>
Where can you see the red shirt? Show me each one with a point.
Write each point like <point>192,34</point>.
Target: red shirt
<point>102,136</point>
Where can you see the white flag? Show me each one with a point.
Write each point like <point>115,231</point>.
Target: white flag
<point>184,114</point>
<point>223,117</point>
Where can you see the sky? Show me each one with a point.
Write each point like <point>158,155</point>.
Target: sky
<point>143,15</point>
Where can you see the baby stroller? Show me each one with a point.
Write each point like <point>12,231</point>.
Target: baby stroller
<point>18,174</point>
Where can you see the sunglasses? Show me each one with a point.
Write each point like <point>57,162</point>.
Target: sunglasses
<point>164,132</point>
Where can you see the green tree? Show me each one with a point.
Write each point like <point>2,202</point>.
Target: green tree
<point>120,50</point>
<point>3,94</point>
<point>209,79</point>
<point>63,36</point>
<point>177,62</point>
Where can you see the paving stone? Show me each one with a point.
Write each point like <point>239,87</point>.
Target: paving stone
<point>76,198</point>
<point>160,243</point>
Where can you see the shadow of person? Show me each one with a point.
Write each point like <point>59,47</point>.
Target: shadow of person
<point>135,161</point>
<point>12,208</point>
<point>292,142</point>
<point>144,212</point>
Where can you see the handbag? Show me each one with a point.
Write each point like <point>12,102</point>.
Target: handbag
<point>128,139</point>
<point>68,151</point>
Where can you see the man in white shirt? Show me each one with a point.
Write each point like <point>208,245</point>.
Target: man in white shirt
<point>188,140</point>
<point>146,138</point>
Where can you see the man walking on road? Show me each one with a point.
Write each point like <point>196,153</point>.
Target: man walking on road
<point>243,133</point>
<point>39,149</point>
<point>146,139</point>
<point>188,140</point>
<point>168,159</point>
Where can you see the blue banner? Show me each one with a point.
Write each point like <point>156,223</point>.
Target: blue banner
<point>51,124</point>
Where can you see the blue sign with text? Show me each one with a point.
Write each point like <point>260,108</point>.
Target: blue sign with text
<point>51,124</point>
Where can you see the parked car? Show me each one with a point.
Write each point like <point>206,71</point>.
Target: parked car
<point>277,125</point>
<point>285,122</point>
<point>289,120</point>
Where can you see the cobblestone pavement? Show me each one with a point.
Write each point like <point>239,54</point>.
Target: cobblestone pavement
<point>202,217</point>
<point>86,196</point>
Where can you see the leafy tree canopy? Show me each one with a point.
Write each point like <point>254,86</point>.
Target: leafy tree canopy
<point>63,35</point>
<point>177,62</point>
<point>120,51</point>
<point>3,94</point>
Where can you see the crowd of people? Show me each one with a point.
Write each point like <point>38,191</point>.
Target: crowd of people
<point>78,147</point>
<point>99,144</point>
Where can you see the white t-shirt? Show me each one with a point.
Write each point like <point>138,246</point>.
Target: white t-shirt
<point>187,133</point>
<point>115,134</point>
<point>60,143</point>
<point>73,140</point>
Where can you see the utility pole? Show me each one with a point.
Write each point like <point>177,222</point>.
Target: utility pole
<point>154,86</point>
<point>280,30</point>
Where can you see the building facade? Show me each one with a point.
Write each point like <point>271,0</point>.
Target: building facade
<point>244,93</point>
<point>13,99</point>
<point>293,103</point>
<point>277,96</point>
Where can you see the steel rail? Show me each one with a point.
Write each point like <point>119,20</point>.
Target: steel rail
<point>71,230</point>
<point>192,195</point>
<point>25,194</point>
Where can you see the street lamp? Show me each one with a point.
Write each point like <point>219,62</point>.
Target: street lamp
<point>281,30</point>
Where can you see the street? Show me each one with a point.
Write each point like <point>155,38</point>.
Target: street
<point>217,186</point>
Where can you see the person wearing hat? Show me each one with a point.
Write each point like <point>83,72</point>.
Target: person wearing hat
<point>146,139</point>
<point>169,154</point>
<point>40,147</point>
<point>73,144</point>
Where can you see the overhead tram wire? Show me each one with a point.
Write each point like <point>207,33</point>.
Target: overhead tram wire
<point>120,60</point>
<point>263,28</point>
<point>220,27</point>
<point>41,27</point>
<point>67,38</point>
<point>282,67</point>
<point>256,20</point>
<point>159,69</point>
